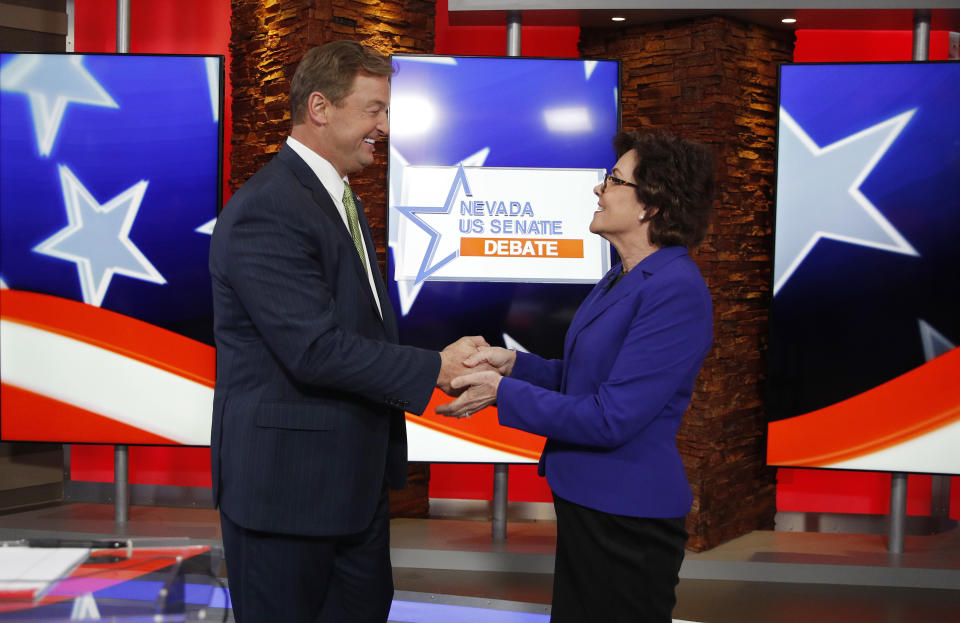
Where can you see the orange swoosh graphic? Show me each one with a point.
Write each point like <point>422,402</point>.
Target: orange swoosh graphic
<point>918,402</point>
<point>179,355</point>
<point>481,428</point>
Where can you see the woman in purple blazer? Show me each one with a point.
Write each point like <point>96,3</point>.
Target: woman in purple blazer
<point>610,409</point>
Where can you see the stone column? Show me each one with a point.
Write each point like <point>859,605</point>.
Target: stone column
<point>713,79</point>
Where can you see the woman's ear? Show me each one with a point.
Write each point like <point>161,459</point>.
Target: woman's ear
<point>647,213</point>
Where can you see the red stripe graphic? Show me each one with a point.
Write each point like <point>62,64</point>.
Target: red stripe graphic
<point>28,416</point>
<point>921,401</point>
<point>112,331</point>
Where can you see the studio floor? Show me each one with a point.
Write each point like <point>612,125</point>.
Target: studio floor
<point>451,570</point>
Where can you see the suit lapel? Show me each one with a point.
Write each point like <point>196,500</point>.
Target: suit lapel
<point>389,320</point>
<point>321,197</point>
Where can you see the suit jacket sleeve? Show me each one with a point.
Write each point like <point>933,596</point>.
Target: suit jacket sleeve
<point>661,346</point>
<point>276,271</point>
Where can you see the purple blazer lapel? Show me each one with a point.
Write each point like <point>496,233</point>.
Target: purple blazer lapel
<point>603,296</point>
<point>599,299</point>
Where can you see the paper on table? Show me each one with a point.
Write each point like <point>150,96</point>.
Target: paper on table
<point>27,572</point>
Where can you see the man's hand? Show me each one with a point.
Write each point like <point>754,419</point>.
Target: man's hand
<point>451,361</point>
<point>481,392</point>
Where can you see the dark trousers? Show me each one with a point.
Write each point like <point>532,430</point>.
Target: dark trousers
<point>303,579</point>
<point>612,568</point>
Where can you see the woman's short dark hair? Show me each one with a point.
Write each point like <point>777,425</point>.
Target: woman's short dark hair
<point>675,182</point>
<point>330,69</point>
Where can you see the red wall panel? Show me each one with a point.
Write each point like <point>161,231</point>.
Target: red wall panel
<point>853,46</point>
<point>547,41</point>
<point>149,465</point>
<point>827,491</point>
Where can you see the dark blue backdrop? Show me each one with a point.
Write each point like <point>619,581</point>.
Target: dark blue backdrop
<point>848,318</point>
<point>164,129</point>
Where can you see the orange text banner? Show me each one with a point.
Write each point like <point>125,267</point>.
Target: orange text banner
<point>521,247</point>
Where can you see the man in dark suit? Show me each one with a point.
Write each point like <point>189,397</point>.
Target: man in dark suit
<point>308,423</point>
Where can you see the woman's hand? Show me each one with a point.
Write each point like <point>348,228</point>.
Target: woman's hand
<point>481,392</point>
<point>500,359</point>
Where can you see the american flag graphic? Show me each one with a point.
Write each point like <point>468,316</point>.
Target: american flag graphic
<point>109,188</point>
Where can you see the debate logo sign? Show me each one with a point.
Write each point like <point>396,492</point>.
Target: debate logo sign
<point>498,224</point>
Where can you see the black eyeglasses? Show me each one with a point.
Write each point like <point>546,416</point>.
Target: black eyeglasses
<point>615,180</point>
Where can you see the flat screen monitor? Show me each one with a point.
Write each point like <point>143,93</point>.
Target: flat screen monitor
<point>864,369</point>
<point>110,170</point>
<point>492,167</point>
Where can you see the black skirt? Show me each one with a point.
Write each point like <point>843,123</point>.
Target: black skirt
<point>614,568</point>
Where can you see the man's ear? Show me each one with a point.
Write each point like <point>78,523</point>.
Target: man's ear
<point>317,108</point>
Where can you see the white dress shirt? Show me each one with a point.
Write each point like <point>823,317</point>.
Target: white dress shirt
<point>334,184</point>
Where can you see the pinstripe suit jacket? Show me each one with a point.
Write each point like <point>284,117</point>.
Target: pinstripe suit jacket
<point>311,384</point>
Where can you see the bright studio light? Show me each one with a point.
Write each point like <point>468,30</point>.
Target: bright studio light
<point>411,115</point>
<point>568,120</point>
<point>618,19</point>
<point>789,20</point>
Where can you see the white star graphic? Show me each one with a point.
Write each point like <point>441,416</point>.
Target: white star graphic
<point>212,66</point>
<point>207,228</point>
<point>512,344</point>
<point>431,262</point>
<point>588,67</point>
<point>818,193</point>
<point>934,342</point>
<point>98,238</point>
<point>408,290</point>
<point>51,82</point>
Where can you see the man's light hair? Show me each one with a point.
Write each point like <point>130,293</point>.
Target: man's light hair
<point>330,69</point>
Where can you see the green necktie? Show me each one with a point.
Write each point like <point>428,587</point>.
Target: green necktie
<point>353,222</point>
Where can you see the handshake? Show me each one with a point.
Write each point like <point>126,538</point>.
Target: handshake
<point>471,371</point>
